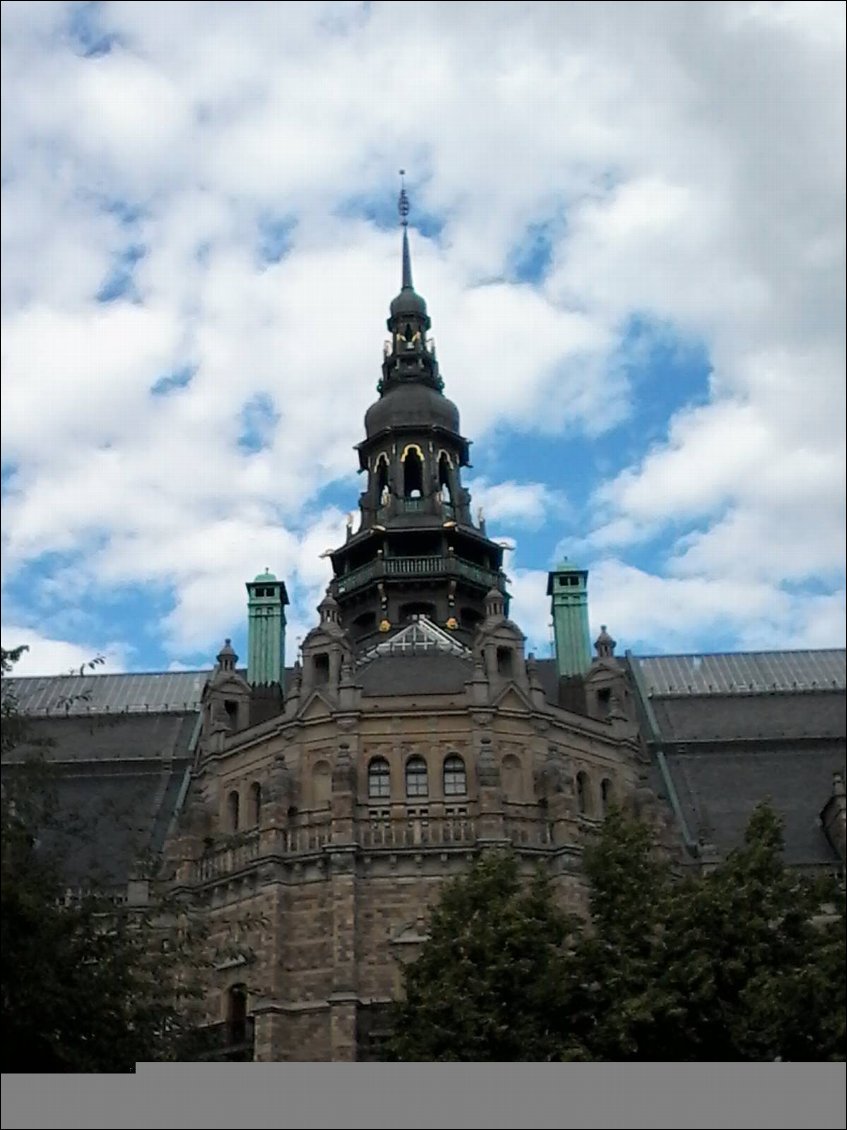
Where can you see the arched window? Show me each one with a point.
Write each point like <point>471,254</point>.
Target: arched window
<point>412,472</point>
<point>583,793</point>
<point>379,779</point>
<point>416,778</point>
<point>445,481</point>
<point>236,1014</point>
<point>607,795</point>
<point>255,804</point>
<point>233,815</point>
<point>381,476</point>
<point>455,777</point>
<point>504,661</point>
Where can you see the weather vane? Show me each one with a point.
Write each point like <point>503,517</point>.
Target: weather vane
<point>403,202</point>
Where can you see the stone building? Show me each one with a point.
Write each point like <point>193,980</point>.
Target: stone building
<point>313,812</point>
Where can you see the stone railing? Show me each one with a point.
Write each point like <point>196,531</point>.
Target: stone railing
<point>224,861</point>
<point>390,834</point>
<point>527,831</point>
<point>418,832</point>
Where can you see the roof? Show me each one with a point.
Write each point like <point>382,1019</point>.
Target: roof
<point>107,824</point>
<point>750,672</point>
<point>719,788</point>
<point>799,715</point>
<point>117,782</point>
<point>164,692</point>
<point>412,674</point>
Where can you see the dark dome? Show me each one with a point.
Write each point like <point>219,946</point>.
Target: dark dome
<point>408,302</point>
<point>412,403</point>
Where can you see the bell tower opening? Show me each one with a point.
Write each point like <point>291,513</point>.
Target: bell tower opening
<point>445,478</point>
<point>412,472</point>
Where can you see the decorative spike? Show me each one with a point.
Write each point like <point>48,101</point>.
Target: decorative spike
<point>407,261</point>
<point>403,208</point>
<point>403,202</point>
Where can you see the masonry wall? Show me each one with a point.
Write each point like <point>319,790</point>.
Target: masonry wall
<point>327,895</point>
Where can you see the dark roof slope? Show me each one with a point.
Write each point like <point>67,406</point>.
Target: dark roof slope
<point>718,789</point>
<point>744,717</point>
<point>110,824</point>
<point>426,674</point>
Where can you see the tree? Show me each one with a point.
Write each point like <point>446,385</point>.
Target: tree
<point>746,962</point>
<point>754,958</point>
<point>486,984</point>
<point>87,986</point>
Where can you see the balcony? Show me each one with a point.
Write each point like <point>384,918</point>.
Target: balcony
<point>431,566</point>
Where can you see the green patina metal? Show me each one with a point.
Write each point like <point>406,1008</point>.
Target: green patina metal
<point>567,585</point>
<point>266,603</point>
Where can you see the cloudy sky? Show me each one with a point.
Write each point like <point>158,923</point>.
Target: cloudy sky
<point>627,220</point>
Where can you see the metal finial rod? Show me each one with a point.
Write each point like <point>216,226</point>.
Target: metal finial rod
<point>403,202</point>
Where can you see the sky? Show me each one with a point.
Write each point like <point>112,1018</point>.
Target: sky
<point>628,223</point>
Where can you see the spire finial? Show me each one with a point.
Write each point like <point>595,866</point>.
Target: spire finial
<point>403,202</point>
<point>403,209</point>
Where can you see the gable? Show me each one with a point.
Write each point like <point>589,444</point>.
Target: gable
<point>419,637</point>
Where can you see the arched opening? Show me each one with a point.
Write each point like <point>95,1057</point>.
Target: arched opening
<point>470,617</point>
<point>321,669</point>
<point>607,795</point>
<point>379,779</point>
<point>412,473</point>
<point>455,776</point>
<point>583,794</point>
<point>255,804</point>
<point>445,479</point>
<point>236,1014</point>
<point>604,699</point>
<point>505,661</point>
<point>381,479</point>
<point>365,622</point>
<point>417,784</point>
<point>233,814</point>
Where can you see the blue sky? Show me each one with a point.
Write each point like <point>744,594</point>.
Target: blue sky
<point>627,221</point>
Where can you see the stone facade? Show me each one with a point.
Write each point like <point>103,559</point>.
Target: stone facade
<point>352,808</point>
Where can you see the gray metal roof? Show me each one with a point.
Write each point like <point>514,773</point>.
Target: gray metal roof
<point>165,692</point>
<point>751,672</point>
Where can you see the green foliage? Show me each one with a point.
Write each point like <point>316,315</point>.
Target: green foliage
<point>486,985</point>
<point>746,962</point>
<point>86,985</point>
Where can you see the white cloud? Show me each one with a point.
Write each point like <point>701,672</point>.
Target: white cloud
<point>45,656</point>
<point>687,161</point>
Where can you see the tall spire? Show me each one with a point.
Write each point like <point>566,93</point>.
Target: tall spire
<point>403,209</point>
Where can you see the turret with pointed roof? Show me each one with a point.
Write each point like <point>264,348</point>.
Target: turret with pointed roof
<point>417,550</point>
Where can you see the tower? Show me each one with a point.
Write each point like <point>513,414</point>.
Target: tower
<point>417,551</point>
<point>567,585</point>
<point>266,600</point>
